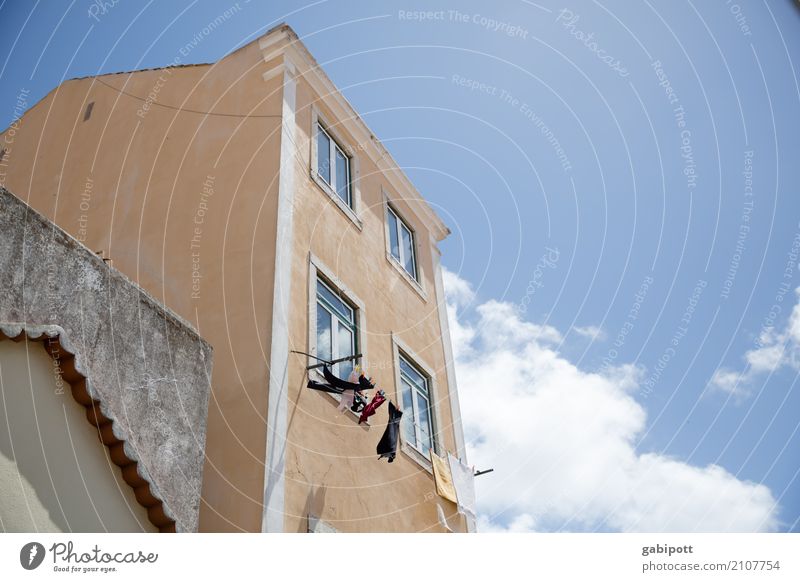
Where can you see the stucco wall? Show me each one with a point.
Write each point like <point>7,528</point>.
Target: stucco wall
<point>332,470</point>
<point>55,474</point>
<point>147,368</point>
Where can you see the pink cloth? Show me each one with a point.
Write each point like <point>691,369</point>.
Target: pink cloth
<point>370,408</point>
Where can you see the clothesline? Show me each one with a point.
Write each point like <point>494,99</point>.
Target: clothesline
<point>323,361</point>
<point>388,444</point>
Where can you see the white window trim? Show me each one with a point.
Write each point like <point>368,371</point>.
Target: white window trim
<point>401,248</point>
<point>419,457</point>
<point>316,268</point>
<point>418,284</point>
<point>317,119</point>
<point>415,395</point>
<point>336,318</point>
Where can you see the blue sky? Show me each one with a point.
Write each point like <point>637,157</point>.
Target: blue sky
<point>581,152</point>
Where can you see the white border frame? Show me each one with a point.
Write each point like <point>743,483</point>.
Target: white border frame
<point>318,118</point>
<point>418,285</point>
<point>398,346</point>
<point>449,366</point>
<point>274,499</point>
<point>315,268</point>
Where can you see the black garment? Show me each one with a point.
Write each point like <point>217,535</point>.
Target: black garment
<point>338,382</point>
<point>338,386</point>
<point>387,446</point>
<point>359,402</point>
<point>323,387</point>
<point>363,381</point>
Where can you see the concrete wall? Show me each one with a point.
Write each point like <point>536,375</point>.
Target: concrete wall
<point>141,371</point>
<point>55,474</point>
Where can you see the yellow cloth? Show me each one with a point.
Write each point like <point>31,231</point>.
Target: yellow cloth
<point>443,478</point>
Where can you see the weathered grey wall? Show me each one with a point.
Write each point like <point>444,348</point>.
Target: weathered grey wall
<point>150,369</point>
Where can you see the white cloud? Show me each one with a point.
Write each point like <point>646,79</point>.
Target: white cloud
<point>561,440</point>
<point>776,349</point>
<point>458,290</point>
<point>590,331</point>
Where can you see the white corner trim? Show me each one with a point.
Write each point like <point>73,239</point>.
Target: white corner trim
<point>273,72</point>
<point>447,346</point>
<point>271,46</point>
<point>272,519</point>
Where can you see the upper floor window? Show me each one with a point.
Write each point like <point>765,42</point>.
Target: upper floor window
<point>401,243</point>
<point>333,165</point>
<point>336,329</point>
<point>417,421</point>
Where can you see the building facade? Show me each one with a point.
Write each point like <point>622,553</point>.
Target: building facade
<point>249,197</point>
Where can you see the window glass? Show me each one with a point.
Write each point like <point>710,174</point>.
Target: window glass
<point>323,333</point>
<point>334,302</point>
<point>424,423</point>
<point>413,376</point>
<point>401,243</point>
<point>336,330</point>
<point>345,348</point>
<point>333,165</point>
<point>323,155</point>
<point>394,245</point>
<point>416,421</point>
<point>407,420</point>
<point>408,251</point>
<point>343,176</point>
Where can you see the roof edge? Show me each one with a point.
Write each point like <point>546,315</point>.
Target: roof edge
<point>56,343</point>
<point>271,47</point>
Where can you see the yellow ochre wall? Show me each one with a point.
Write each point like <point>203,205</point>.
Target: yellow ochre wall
<point>332,470</point>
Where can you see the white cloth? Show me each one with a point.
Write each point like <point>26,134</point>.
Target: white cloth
<point>349,395</point>
<point>464,482</point>
<point>442,518</point>
<point>347,400</point>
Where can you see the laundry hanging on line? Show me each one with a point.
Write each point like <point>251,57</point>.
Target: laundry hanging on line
<point>351,391</point>
<point>370,409</point>
<point>337,385</point>
<point>349,396</point>
<point>464,484</point>
<point>443,478</point>
<point>353,399</point>
<point>387,446</point>
<point>363,381</point>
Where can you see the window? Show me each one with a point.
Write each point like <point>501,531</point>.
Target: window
<point>401,243</point>
<point>333,166</point>
<point>417,423</point>
<point>336,329</point>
